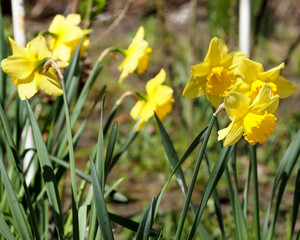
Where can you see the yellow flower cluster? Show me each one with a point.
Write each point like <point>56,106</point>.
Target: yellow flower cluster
<point>250,95</point>
<point>25,66</point>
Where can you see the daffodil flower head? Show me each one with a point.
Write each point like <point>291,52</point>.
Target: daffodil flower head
<point>66,35</point>
<point>216,75</point>
<point>136,56</point>
<point>255,120</point>
<point>254,77</point>
<point>158,99</point>
<point>25,67</point>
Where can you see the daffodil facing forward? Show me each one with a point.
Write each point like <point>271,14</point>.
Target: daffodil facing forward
<point>255,120</point>
<point>158,99</point>
<point>216,76</point>
<point>66,35</point>
<point>253,78</point>
<point>25,67</point>
<point>136,56</point>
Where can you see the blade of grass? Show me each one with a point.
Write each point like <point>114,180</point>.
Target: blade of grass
<point>129,224</point>
<point>282,174</point>
<point>193,181</point>
<point>211,184</point>
<point>15,206</point>
<point>240,222</point>
<point>255,191</point>
<point>4,229</point>
<point>175,164</point>
<point>217,202</point>
<point>12,148</point>
<point>82,221</point>
<point>110,147</point>
<point>72,166</point>
<point>47,172</point>
<point>145,225</point>
<point>130,138</point>
<point>101,210</point>
<point>296,202</point>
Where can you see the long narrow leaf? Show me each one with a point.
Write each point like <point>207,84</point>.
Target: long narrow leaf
<point>4,229</point>
<point>47,172</point>
<point>15,206</point>
<point>240,222</point>
<point>101,210</point>
<point>145,225</point>
<point>211,184</point>
<point>296,202</point>
<point>72,167</point>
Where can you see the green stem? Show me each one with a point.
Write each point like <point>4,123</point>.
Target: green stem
<point>193,181</point>
<point>255,191</point>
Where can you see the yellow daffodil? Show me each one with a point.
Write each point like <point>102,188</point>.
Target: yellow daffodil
<point>136,56</point>
<point>158,99</point>
<point>25,67</point>
<point>216,76</point>
<point>254,77</point>
<point>66,35</point>
<point>255,120</point>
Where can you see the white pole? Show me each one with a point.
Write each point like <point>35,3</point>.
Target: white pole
<point>245,26</point>
<point>18,13</point>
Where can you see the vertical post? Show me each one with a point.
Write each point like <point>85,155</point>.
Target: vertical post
<point>245,26</point>
<point>18,13</point>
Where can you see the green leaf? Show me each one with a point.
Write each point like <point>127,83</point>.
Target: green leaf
<point>175,164</point>
<point>72,166</point>
<point>15,206</point>
<point>47,172</point>
<point>146,222</point>
<point>129,224</point>
<point>4,229</point>
<point>101,210</point>
<point>282,175</point>
<point>240,222</point>
<point>110,147</point>
<point>296,202</point>
<point>82,221</point>
<point>211,184</point>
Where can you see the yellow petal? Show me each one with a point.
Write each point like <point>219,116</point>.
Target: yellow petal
<point>236,59</point>
<point>234,134</point>
<point>155,82</point>
<point>48,83</point>
<point>38,48</point>
<point>162,94</point>
<point>143,62</point>
<point>195,87</point>
<point>271,75</point>
<point>56,23</point>
<point>18,67</point>
<point>236,104</point>
<point>164,109</point>
<point>214,100</point>
<point>27,90</point>
<point>284,88</point>
<point>139,35</point>
<point>62,52</point>
<point>264,101</point>
<point>17,50</point>
<point>249,70</point>
<point>200,70</point>
<point>73,19</point>
<point>136,110</point>
<point>216,52</point>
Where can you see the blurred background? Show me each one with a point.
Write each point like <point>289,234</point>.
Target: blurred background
<point>179,32</point>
